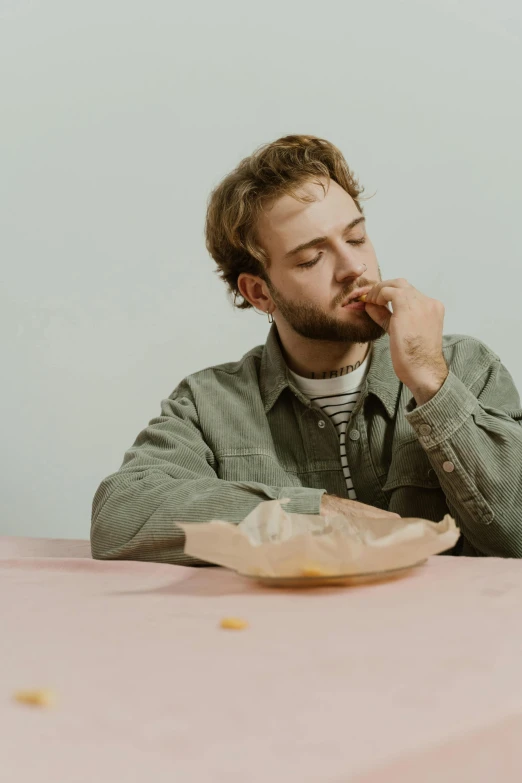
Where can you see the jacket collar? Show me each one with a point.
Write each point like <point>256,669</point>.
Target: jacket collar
<point>380,381</point>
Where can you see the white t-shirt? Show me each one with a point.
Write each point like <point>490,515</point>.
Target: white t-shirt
<point>337,398</point>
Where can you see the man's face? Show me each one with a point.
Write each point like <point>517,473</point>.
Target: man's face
<point>310,286</point>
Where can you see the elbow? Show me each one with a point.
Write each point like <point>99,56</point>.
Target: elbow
<point>104,544</point>
<point>100,547</point>
<point>128,522</point>
<point>110,536</point>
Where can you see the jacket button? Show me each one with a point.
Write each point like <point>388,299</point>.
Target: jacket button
<point>354,435</point>
<point>448,466</point>
<point>321,423</point>
<point>425,429</point>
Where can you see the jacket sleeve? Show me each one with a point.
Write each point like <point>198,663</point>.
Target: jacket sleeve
<point>472,435</point>
<point>169,476</point>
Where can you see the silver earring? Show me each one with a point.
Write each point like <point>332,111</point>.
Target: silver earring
<point>270,318</point>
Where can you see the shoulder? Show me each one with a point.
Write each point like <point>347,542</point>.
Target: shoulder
<point>458,346</point>
<point>468,357</point>
<point>454,346</point>
<point>244,366</point>
<point>223,378</point>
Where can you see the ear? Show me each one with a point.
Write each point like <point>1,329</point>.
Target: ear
<point>255,290</point>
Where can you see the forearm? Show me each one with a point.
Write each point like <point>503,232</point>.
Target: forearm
<point>476,451</point>
<point>135,513</point>
<point>170,475</point>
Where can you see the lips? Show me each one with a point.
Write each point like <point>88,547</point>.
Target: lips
<point>356,294</point>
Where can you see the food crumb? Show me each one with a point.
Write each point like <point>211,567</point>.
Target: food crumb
<point>42,697</point>
<point>233,623</point>
<point>313,570</point>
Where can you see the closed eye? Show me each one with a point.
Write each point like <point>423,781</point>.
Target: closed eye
<point>310,263</point>
<point>314,261</point>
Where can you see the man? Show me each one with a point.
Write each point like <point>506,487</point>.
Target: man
<point>352,407</point>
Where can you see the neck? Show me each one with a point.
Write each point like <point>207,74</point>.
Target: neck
<point>320,358</point>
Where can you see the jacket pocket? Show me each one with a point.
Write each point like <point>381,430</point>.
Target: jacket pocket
<point>415,489</point>
<point>412,486</point>
<point>410,467</point>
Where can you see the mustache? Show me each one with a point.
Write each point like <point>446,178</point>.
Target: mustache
<point>361,282</point>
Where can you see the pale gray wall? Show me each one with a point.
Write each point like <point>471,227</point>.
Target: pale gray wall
<point>117,120</point>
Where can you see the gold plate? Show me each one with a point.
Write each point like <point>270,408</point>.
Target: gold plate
<point>335,579</point>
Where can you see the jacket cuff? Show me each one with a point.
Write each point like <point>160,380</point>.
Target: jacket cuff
<point>303,500</point>
<point>436,420</point>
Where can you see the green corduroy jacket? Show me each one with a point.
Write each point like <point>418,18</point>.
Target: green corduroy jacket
<point>236,434</point>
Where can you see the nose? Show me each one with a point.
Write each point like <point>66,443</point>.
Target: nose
<point>348,265</point>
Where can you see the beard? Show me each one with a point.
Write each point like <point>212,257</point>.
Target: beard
<point>313,323</point>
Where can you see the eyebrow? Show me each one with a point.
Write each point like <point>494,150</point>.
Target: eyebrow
<point>320,240</point>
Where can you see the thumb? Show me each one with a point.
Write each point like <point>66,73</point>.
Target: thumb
<point>381,315</point>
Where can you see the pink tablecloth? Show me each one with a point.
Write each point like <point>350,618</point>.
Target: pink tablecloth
<point>414,680</point>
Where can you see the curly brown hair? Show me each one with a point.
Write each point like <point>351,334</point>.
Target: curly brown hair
<point>273,170</point>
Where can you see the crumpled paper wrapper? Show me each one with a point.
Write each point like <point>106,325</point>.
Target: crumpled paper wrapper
<point>270,542</point>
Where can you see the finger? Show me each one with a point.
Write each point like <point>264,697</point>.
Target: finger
<point>381,315</point>
<point>387,294</point>
<point>373,511</point>
<point>358,506</point>
<point>398,282</point>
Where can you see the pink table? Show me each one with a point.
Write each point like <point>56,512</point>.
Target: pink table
<point>418,679</point>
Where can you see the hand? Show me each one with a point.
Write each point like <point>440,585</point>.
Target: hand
<point>415,330</point>
<point>332,505</point>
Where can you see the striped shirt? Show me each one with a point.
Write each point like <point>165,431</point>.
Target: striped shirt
<point>337,398</point>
